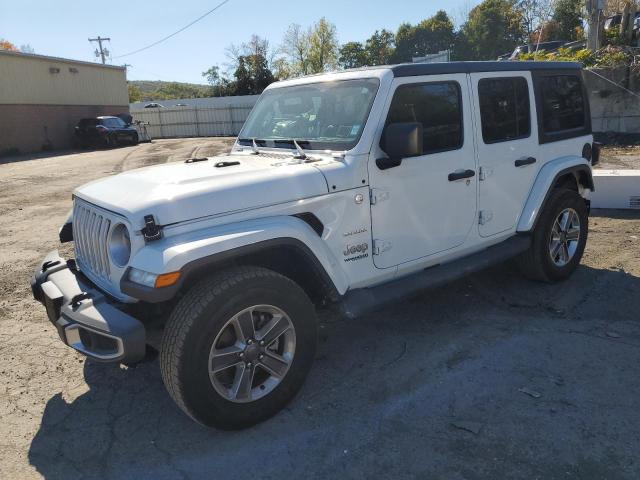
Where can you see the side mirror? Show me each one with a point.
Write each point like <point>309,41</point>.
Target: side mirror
<point>400,140</point>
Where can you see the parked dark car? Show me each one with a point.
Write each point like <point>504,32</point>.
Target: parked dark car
<point>613,22</point>
<point>105,131</point>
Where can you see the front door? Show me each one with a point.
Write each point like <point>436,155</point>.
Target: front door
<point>427,204</point>
<point>507,143</point>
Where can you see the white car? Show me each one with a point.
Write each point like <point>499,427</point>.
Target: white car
<point>355,188</point>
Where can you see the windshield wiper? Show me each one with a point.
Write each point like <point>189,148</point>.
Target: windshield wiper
<point>254,147</point>
<point>300,155</point>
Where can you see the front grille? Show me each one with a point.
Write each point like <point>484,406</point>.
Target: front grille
<point>634,202</point>
<point>90,234</point>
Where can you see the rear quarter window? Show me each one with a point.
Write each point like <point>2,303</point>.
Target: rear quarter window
<point>562,103</point>
<point>563,110</point>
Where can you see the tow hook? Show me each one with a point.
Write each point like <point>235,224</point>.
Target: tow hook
<point>77,299</point>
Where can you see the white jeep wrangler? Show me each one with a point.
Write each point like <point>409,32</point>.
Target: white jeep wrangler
<point>354,189</point>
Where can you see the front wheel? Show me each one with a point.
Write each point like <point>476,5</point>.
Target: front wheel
<point>559,238</point>
<point>238,347</point>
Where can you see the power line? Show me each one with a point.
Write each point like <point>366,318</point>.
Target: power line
<point>176,32</point>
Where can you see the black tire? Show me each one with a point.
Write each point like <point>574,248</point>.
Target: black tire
<point>135,139</point>
<point>536,263</point>
<point>195,324</point>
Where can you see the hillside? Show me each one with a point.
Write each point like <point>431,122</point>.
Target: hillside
<point>146,90</point>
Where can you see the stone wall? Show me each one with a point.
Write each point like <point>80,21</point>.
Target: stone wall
<point>614,109</point>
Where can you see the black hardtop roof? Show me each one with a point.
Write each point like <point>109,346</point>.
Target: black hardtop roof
<point>415,69</point>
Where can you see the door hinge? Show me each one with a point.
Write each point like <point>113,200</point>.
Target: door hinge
<point>484,172</point>
<point>484,216</point>
<point>380,246</point>
<point>377,195</point>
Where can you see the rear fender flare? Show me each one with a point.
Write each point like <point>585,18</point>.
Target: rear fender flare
<point>545,181</point>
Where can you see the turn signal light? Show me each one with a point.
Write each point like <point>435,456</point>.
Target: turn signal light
<point>167,279</point>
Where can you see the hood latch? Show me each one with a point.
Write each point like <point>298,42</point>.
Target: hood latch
<point>151,231</point>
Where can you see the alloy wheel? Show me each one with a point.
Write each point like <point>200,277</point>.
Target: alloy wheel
<point>565,237</point>
<point>252,353</point>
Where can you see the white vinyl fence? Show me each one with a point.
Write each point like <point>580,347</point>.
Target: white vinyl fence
<point>196,121</point>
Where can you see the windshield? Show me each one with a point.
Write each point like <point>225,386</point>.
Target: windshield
<point>320,116</point>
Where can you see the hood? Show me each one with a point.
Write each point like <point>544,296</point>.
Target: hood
<point>176,192</point>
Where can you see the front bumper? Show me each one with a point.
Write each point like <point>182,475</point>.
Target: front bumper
<point>85,318</point>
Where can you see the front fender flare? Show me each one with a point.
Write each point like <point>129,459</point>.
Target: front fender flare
<point>546,179</point>
<point>192,251</point>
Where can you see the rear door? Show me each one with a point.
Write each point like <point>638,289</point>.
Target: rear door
<point>507,147</point>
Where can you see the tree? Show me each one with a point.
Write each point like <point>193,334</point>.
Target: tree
<point>380,47</point>
<point>250,67</point>
<point>405,44</point>
<point>568,15</point>
<point>534,13</point>
<point>434,34</point>
<point>545,32</point>
<point>7,45</point>
<point>281,69</point>
<point>135,95</point>
<point>323,47</point>
<point>27,48</point>
<point>352,55</point>
<point>493,28</point>
<point>252,75</point>
<point>255,46</point>
<point>220,85</point>
<point>296,46</point>
<point>176,90</point>
<point>212,75</point>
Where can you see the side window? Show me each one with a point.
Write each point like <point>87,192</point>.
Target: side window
<point>562,103</point>
<point>504,109</point>
<point>437,106</point>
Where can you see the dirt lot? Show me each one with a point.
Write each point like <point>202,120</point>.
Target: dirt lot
<point>491,377</point>
<point>617,157</point>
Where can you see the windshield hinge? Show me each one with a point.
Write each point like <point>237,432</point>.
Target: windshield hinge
<point>151,231</point>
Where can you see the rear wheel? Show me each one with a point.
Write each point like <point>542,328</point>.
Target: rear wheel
<point>559,238</point>
<point>238,347</point>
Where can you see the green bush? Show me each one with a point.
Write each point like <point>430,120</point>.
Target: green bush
<point>609,56</point>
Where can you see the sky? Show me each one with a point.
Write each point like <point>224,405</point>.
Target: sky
<point>61,27</point>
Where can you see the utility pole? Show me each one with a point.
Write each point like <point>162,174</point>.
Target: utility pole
<point>101,52</point>
<point>594,11</point>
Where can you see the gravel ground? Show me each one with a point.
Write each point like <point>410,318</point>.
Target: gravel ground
<point>491,377</point>
<point>620,157</point>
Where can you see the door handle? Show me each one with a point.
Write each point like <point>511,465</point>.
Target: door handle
<point>525,161</point>
<point>460,174</point>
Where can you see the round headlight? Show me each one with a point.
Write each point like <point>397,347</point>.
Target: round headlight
<point>120,245</point>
